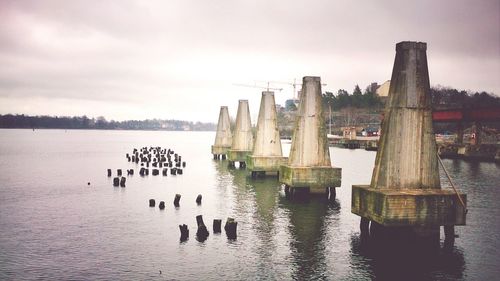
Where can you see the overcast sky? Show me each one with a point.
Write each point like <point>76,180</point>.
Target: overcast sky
<point>180,59</point>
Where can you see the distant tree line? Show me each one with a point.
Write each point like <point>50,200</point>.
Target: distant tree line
<point>442,98</point>
<point>83,122</point>
<point>449,98</point>
<point>365,108</point>
<point>368,99</point>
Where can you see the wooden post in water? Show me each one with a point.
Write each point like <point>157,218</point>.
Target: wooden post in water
<point>202,232</point>
<point>177,198</point>
<point>405,196</point>
<point>230,228</point>
<point>122,181</point>
<point>184,232</point>
<point>217,225</point>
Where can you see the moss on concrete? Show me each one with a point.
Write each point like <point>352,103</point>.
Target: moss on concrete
<point>399,207</point>
<point>238,155</point>
<point>265,163</point>
<point>315,178</point>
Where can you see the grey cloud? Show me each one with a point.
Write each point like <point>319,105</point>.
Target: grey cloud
<point>135,50</point>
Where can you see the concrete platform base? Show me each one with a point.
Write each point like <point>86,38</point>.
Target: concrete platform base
<point>304,193</point>
<point>316,179</point>
<point>238,155</point>
<point>265,164</point>
<point>220,150</point>
<point>408,207</point>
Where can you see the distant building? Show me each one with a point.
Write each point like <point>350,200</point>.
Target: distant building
<point>350,132</point>
<point>373,87</point>
<point>383,90</point>
<point>370,131</point>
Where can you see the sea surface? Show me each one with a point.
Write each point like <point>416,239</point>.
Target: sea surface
<point>54,225</point>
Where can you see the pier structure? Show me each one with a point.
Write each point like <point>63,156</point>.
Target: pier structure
<point>404,201</point>
<point>309,166</point>
<point>473,147</point>
<point>223,137</point>
<point>242,143</point>
<point>267,155</point>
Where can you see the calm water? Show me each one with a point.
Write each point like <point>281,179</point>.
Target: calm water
<point>55,227</point>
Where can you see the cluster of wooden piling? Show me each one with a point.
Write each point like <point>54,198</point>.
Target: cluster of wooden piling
<point>119,180</point>
<point>161,160</point>
<point>177,199</point>
<point>164,160</point>
<point>202,231</point>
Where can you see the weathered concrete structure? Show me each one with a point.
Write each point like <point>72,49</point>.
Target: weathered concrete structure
<point>405,194</point>
<point>223,137</point>
<point>309,166</point>
<point>267,155</point>
<point>242,143</point>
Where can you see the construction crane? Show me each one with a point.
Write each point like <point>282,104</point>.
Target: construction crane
<point>268,88</point>
<point>294,85</point>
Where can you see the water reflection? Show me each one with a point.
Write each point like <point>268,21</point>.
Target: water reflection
<point>223,182</point>
<point>307,230</point>
<point>266,194</point>
<point>290,238</point>
<point>405,263</point>
<point>474,168</point>
<point>242,199</point>
<point>277,239</point>
<point>222,171</point>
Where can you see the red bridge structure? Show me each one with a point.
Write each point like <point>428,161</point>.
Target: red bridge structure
<point>467,115</point>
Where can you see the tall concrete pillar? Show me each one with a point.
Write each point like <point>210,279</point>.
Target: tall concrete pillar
<point>405,190</point>
<point>267,155</point>
<point>309,164</point>
<point>223,137</point>
<point>407,157</point>
<point>243,137</point>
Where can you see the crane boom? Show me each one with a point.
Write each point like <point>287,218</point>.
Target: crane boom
<point>257,86</point>
<point>294,84</point>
